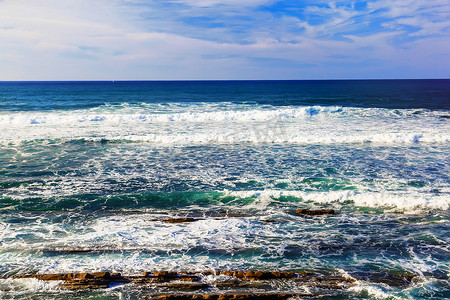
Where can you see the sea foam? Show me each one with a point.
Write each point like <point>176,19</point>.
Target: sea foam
<point>229,124</point>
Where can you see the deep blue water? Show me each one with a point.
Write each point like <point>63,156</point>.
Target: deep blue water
<point>98,165</point>
<point>430,94</point>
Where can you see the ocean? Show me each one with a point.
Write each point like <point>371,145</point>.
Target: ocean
<point>98,177</point>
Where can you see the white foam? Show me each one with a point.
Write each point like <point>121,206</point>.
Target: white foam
<point>208,244</point>
<point>374,291</point>
<point>405,201</point>
<point>26,285</point>
<point>228,123</point>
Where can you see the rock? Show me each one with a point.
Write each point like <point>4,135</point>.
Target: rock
<point>101,275</point>
<point>230,296</point>
<point>72,251</point>
<point>235,283</point>
<point>227,273</point>
<point>45,276</point>
<point>162,276</point>
<point>314,212</point>
<point>73,285</point>
<point>238,274</point>
<point>165,274</point>
<point>249,274</point>
<point>185,286</point>
<point>82,276</point>
<point>251,280</point>
<point>181,220</point>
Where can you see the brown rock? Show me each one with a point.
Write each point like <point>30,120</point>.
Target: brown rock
<point>82,276</point>
<point>259,274</point>
<point>165,274</point>
<point>234,283</point>
<point>238,274</point>
<point>249,274</point>
<point>227,273</point>
<point>186,286</point>
<point>53,276</point>
<point>191,278</point>
<point>73,285</point>
<point>101,275</point>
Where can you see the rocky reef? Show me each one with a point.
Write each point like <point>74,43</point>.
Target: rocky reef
<point>221,284</point>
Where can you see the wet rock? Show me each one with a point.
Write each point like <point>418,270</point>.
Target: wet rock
<point>77,281</point>
<point>227,273</point>
<point>181,220</point>
<point>234,283</point>
<point>45,276</point>
<point>238,274</point>
<point>85,284</point>
<point>258,275</point>
<point>240,296</point>
<point>103,275</point>
<point>314,212</point>
<point>185,286</point>
<point>72,251</point>
<point>397,280</point>
<point>251,279</point>
<point>163,276</point>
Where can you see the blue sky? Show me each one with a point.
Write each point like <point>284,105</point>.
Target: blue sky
<point>218,39</point>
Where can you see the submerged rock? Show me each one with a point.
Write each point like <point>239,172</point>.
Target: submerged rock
<point>229,296</point>
<point>181,220</point>
<point>314,212</point>
<point>259,275</point>
<point>75,281</point>
<point>269,221</point>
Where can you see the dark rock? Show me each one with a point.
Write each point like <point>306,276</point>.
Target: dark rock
<point>181,220</point>
<point>259,275</point>
<point>72,251</point>
<point>244,296</point>
<point>314,212</point>
<point>163,276</point>
<point>185,286</point>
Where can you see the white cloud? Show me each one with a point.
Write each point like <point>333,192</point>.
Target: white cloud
<point>125,39</point>
<point>227,3</point>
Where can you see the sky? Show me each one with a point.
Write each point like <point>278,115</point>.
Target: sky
<point>223,39</point>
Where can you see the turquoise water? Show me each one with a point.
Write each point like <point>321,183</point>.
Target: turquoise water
<point>98,166</point>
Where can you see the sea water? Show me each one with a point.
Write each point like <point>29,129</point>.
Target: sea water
<point>88,170</point>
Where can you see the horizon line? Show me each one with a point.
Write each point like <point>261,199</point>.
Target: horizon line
<point>218,80</point>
